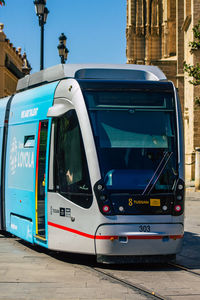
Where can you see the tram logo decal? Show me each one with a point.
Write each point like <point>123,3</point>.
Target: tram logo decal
<point>29,113</point>
<point>20,158</point>
<point>13,156</point>
<point>62,211</point>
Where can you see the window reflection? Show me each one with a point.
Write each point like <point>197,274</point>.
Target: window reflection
<point>72,174</point>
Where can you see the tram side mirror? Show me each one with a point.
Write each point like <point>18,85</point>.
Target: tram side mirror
<point>59,109</point>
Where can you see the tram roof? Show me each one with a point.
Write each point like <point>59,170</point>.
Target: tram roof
<point>91,71</point>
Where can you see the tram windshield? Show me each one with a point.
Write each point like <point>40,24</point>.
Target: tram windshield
<point>135,135</point>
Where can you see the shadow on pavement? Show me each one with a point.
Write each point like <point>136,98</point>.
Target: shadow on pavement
<point>190,254</point>
<point>189,257</point>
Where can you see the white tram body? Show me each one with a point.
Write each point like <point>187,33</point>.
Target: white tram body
<point>113,183</point>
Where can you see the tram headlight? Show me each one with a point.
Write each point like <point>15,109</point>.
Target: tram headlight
<point>180,187</point>
<point>100,187</point>
<point>106,208</point>
<point>102,197</point>
<point>178,205</point>
<point>177,208</point>
<point>121,209</point>
<point>164,208</point>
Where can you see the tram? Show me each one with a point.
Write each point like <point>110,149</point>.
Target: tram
<point>92,162</point>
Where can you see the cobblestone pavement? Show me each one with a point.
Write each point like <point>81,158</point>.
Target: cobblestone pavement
<point>190,254</point>
<point>28,272</point>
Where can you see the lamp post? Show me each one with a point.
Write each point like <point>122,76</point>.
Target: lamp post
<point>42,12</point>
<point>62,49</point>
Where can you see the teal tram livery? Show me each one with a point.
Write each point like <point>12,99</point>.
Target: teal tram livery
<point>92,161</point>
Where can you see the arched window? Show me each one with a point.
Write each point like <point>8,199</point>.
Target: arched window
<point>139,12</point>
<point>154,13</point>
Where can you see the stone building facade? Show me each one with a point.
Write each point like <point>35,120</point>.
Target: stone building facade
<point>13,65</point>
<point>158,33</point>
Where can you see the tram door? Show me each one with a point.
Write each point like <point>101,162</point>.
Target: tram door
<point>40,179</point>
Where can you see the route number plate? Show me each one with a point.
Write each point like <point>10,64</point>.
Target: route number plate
<point>145,228</point>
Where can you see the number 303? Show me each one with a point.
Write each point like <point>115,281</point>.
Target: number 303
<point>144,228</point>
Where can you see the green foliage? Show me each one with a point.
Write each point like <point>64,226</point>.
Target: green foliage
<point>197,101</point>
<point>194,71</point>
<point>195,45</point>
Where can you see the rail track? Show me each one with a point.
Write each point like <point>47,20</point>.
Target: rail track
<point>147,291</point>
<point>150,294</point>
<point>183,268</point>
<point>142,290</point>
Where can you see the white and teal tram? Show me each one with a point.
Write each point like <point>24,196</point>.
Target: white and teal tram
<point>92,161</point>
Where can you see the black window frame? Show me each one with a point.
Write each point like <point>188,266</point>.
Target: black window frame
<point>133,86</point>
<point>81,199</point>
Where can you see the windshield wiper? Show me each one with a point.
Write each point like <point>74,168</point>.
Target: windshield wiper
<point>157,173</point>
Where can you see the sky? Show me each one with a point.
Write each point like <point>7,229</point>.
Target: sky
<point>95,30</point>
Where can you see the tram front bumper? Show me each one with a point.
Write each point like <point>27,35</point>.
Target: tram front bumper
<point>139,239</point>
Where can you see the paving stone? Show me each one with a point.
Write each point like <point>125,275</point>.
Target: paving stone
<point>27,273</point>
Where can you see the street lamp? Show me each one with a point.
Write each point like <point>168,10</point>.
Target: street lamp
<point>42,12</point>
<point>62,49</point>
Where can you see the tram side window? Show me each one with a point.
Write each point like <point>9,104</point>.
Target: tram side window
<point>72,176</point>
<point>29,141</point>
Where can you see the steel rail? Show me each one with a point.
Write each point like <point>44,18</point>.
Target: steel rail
<point>134,286</point>
<point>183,268</point>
